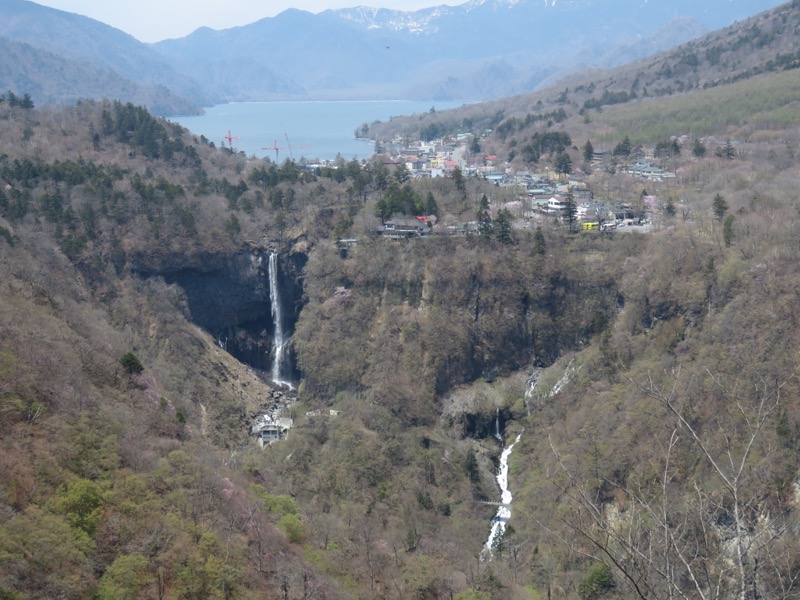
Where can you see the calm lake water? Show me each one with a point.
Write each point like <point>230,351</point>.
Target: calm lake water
<point>311,129</point>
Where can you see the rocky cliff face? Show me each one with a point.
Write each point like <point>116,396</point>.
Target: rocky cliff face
<point>231,301</point>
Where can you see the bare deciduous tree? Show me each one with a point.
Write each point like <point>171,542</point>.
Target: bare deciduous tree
<point>709,541</point>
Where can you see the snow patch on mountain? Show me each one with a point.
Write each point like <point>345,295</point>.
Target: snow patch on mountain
<point>418,21</point>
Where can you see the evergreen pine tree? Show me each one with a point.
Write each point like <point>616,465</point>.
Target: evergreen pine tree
<point>669,208</point>
<point>698,149</point>
<point>623,148</point>
<point>485,225</point>
<point>563,163</point>
<point>570,211</point>
<point>131,363</point>
<point>727,229</point>
<point>458,179</point>
<point>588,151</point>
<point>730,153</point>
<point>539,243</point>
<point>502,227</point>
<point>720,206</point>
<point>431,207</point>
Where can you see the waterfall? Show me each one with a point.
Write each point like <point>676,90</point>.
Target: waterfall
<point>275,301</point>
<point>568,373</point>
<point>530,389</point>
<point>504,510</point>
<point>497,426</point>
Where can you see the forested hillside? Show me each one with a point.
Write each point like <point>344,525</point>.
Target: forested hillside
<point>650,99</point>
<point>59,57</point>
<point>652,377</point>
<point>52,78</point>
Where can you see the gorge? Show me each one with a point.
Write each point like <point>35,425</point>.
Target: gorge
<point>249,304</point>
<point>582,364</point>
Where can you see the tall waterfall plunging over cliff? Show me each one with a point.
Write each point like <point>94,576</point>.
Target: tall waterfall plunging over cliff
<point>275,304</point>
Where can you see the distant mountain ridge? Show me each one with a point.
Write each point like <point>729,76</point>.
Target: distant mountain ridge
<point>79,42</point>
<point>482,49</point>
<point>52,79</point>
<point>712,14</point>
<point>478,50</point>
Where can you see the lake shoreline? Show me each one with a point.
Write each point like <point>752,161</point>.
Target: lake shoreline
<point>310,129</point>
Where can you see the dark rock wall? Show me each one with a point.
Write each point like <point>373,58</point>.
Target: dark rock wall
<point>291,269</point>
<point>231,301</point>
<point>482,425</point>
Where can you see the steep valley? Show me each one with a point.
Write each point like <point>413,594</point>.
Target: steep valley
<point>659,447</point>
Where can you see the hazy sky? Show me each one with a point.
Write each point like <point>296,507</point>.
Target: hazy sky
<point>155,20</point>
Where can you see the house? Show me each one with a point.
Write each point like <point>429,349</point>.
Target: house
<point>414,165</point>
<point>539,190</point>
<point>539,202</point>
<point>646,170</point>
<point>582,193</point>
<point>548,203</point>
<point>556,204</point>
<point>450,165</point>
<point>623,212</point>
<point>495,177</point>
<point>457,229</point>
<point>593,211</point>
<point>398,228</point>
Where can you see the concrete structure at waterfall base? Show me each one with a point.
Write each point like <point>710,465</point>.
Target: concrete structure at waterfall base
<point>268,429</point>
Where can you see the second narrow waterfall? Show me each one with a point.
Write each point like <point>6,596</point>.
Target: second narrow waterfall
<point>500,520</point>
<point>277,320</point>
<point>504,510</point>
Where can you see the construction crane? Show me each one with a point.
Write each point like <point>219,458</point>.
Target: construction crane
<point>279,148</point>
<point>230,138</point>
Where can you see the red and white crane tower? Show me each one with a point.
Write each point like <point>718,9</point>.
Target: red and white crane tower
<point>230,138</point>
<point>279,148</point>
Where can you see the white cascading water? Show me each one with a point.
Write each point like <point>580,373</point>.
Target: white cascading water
<point>275,302</point>
<point>504,510</point>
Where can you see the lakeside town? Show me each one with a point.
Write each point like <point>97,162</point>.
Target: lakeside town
<point>533,198</point>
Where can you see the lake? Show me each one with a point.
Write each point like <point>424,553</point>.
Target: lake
<point>311,129</point>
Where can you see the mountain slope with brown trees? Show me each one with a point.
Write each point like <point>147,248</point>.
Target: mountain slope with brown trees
<point>601,104</point>
<point>658,449</point>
